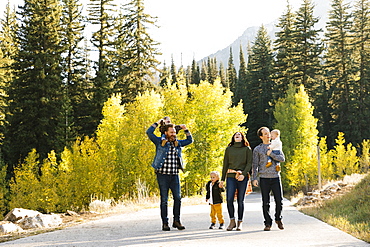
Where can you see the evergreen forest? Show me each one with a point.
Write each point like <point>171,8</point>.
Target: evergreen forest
<point>72,128</point>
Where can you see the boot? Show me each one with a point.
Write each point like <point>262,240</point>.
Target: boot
<point>213,225</point>
<point>239,226</point>
<point>221,226</point>
<point>231,225</point>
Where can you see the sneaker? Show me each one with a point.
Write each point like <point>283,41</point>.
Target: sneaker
<point>165,227</point>
<point>212,226</point>
<point>221,226</point>
<point>178,225</point>
<point>280,224</point>
<point>267,228</point>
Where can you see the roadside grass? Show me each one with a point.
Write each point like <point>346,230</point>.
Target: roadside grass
<point>349,212</point>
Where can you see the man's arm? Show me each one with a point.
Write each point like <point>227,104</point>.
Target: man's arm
<point>189,137</point>
<point>255,163</point>
<point>150,133</point>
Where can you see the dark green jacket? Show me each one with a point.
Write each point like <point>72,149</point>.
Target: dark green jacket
<point>237,157</point>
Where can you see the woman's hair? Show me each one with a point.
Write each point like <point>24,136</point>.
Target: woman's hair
<point>245,143</point>
<point>216,173</point>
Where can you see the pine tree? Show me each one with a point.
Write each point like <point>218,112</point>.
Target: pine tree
<point>231,73</point>
<point>284,45</point>
<point>8,50</point>
<point>361,36</point>
<point>136,50</point>
<point>212,70</point>
<point>35,94</point>
<point>307,48</point>
<point>173,71</point>
<point>339,72</point>
<point>101,15</point>
<point>259,86</point>
<point>195,73</point>
<point>73,69</point>
<point>222,75</point>
<point>165,76</point>
<point>203,71</point>
<point>241,84</point>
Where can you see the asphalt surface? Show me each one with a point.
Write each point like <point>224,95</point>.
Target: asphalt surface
<point>143,228</point>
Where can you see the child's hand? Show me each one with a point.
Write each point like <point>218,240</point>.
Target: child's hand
<point>206,200</point>
<point>278,168</point>
<point>183,126</point>
<point>221,184</point>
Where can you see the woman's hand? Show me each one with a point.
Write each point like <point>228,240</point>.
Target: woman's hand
<point>241,177</point>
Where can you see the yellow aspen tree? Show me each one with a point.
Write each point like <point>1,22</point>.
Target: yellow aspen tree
<point>25,188</point>
<point>295,120</point>
<point>345,159</point>
<point>212,121</point>
<point>48,197</point>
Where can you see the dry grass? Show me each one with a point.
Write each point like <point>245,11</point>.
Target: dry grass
<point>349,212</point>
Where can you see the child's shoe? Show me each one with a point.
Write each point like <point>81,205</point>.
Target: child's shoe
<point>269,162</point>
<point>212,226</point>
<point>278,168</point>
<point>221,226</point>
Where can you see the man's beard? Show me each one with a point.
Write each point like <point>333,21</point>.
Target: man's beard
<point>171,138</point>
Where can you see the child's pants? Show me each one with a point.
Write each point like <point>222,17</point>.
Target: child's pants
<point>216,209</point>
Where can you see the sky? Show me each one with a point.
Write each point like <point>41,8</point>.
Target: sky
<point>197,28</point>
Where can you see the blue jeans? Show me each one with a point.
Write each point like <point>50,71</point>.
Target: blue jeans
<point>231,186</point>
<point>166,183</point>
<point>274,185</point>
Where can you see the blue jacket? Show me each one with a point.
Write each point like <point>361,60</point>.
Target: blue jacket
<point>161,152</point>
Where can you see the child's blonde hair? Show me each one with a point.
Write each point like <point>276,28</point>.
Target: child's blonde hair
<point>216,173</point>
<point>276,131</point>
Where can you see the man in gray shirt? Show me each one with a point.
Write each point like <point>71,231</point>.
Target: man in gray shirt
<point>269,178</point>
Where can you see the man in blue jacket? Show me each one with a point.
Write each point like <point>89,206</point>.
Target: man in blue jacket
<point>167,163</point>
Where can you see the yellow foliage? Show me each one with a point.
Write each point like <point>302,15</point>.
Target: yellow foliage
<point>25,187</point>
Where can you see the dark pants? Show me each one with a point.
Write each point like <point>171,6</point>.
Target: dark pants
<point>166,183</point>
<point>274,185</point>
<point>231,186</point>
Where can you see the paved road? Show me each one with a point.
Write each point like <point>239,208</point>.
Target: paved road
<point>143,228</point>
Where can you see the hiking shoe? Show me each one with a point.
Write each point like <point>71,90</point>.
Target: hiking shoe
<point>178,225</point>
<point>267,228</point>
<point>165,227</point>
<point>280,224</point>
